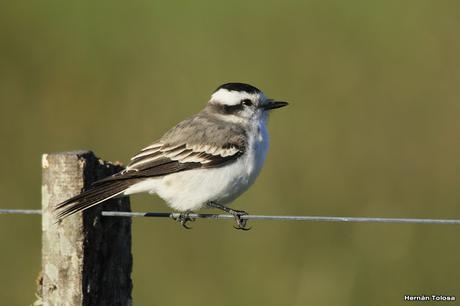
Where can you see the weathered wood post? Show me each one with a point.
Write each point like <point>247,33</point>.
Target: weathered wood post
<point>86,258</point>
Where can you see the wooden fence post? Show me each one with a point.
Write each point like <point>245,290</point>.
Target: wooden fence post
<point>86,258</point>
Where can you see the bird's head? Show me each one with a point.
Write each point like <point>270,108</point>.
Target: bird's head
<point>239,102</point>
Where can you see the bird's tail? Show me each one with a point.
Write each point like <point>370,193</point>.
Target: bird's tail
<point>98,193</point>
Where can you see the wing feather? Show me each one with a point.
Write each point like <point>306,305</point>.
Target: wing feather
<point>182,149</point>
<point>179,158</point>
<point>184,153</point>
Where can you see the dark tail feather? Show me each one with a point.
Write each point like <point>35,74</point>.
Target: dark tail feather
<point>95,195</point>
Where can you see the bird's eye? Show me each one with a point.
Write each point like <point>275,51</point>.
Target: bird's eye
<point>246,102</point>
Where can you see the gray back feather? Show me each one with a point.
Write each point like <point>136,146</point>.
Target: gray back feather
<point>206,129</point>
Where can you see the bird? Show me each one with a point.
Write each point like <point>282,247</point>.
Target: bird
<point>205,161</point>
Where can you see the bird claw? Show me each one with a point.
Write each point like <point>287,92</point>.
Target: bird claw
<point>183,218</point>
<point>240,223</point>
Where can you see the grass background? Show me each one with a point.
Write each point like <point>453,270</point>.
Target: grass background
<point>372,130</point>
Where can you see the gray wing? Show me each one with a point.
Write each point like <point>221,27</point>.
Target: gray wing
<point>197,142</point>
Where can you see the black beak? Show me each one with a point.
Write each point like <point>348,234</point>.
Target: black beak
<point>271,104</point>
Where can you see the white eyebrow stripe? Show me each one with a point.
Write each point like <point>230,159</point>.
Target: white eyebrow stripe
<point>224,96</point>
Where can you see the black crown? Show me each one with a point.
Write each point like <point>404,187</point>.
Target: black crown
<point>239,87</point>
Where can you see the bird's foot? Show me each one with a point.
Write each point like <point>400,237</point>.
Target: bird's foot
<point>237,214</point>
<point>240,222</point>
<point>183,218</point>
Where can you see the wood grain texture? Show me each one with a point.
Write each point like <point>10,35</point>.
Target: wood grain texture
<point>86,258</point>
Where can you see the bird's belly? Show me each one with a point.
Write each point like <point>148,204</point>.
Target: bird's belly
<point>191,190</point>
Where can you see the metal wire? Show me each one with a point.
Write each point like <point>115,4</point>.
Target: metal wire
<point>254,217</point>
<point>20,212</point>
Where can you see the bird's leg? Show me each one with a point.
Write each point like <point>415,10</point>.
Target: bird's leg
<point>240,223</point>
<point>184,217</point>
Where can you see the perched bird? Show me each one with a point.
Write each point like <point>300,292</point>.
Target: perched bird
<point>207,160</point>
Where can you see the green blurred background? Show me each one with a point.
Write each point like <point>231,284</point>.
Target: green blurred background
<point>372,130</point>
